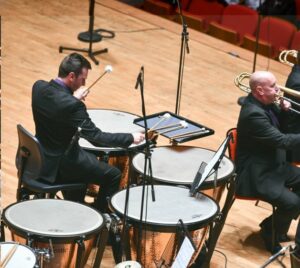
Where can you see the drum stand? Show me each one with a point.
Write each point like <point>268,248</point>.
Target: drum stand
<point>89,36</point>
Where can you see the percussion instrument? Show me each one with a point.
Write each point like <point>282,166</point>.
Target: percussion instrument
<point>161,219</point>
<point>15,255</point>
<point>178,165</point>
<point>64,230</point>
<point>128,264</point>
<point>114,122</point>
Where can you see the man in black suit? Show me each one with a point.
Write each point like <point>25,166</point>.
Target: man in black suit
<point>59,113</point>
<point>293,119</point>
<point>262,170</point>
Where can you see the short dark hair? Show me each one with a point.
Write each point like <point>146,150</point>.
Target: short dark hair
<point>73,63</point>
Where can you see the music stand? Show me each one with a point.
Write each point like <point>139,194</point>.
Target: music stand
<point>206,169</point>
<point>89,36</point>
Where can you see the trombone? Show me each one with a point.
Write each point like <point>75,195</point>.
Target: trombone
<point>284,54</point>
<point>238,81</point>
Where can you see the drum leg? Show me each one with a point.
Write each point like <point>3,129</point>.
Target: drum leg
<point>80,252</point>
<point>2,238</point>
<point>217,227</point>
<point>101,241</point>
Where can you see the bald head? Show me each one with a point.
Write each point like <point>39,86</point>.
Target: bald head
<point>263,86</point>
<point>260,78</point>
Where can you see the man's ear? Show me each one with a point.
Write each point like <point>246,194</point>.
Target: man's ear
<point>259,90</point>
<point>71,76</point>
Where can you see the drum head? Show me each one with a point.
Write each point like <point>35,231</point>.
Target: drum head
<point>128,264</point>
<point>113,122</point>
<point>171,204</point>
<point>52,218</point>
<point>23,256</point>
<point>187,161</point>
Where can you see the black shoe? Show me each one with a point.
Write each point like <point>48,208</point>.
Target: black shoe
<point>266,226</point>
<point>267,237</point>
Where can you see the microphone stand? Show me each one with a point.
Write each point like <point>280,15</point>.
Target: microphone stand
<point>257,37</point>
<point>275,256</point>
<point>184,46</point>
<point>140,82</point>
<point>90,36</point>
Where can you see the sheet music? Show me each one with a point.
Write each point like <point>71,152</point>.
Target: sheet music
<point>184,255</point>
<point>214,160</point>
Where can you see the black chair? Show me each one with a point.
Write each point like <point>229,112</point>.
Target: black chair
<point>29,162</point>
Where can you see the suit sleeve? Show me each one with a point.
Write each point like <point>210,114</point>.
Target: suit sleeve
<point>261,130</point>
<point>80,118</point>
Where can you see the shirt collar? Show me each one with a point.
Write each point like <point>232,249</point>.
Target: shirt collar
<point>61,83</point>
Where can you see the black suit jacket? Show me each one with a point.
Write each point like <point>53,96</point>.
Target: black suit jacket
<point>261,162</point>
<point>57,115</point>
<point>293,120</point>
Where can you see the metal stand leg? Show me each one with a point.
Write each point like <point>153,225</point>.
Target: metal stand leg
<point>2,238</point>
<point>103,237</point>
<point>219,224</point>
<point>89,36</point>
<point>80,252</point>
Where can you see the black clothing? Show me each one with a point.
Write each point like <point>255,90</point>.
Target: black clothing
<point>57,116</point>
<point>262,170</point>
<point>293,119</point>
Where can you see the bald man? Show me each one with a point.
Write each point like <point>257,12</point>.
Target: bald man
<point>262,170</point>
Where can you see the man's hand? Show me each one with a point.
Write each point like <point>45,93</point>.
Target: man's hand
<point>138,137</point>
<point>285,105</point>
<point>81,93</point>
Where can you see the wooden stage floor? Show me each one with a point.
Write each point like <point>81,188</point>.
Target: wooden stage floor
<point>32,31</point>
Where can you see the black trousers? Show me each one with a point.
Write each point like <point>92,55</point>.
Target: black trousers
<point>288,207</point>
<point>86,168</point>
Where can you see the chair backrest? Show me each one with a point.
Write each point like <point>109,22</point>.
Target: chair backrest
<point>232,143</point>
<point>240,18</point>
<point>298,9</point>
<point>277,31</point>
<point>29,158</point>
<point>296,41</point>
<point>185,4</point>
<point>212,11</point>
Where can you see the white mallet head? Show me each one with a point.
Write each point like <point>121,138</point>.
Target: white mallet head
<point>108,68</point>
<point>184,124</point>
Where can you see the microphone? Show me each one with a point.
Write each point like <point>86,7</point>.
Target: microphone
<point>275,256</point>
<point>139,78</point>
<point>74,139</point>
<point>107,69</point>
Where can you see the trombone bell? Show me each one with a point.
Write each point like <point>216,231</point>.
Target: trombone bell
<point>287,56</point>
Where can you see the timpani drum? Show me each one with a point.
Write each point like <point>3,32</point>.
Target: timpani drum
<point>161,221</point>
<point>65,229</point>
<point>114,122</point>
<point>178,165</point>
<point>14,255</point>
<point>128,264</point>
